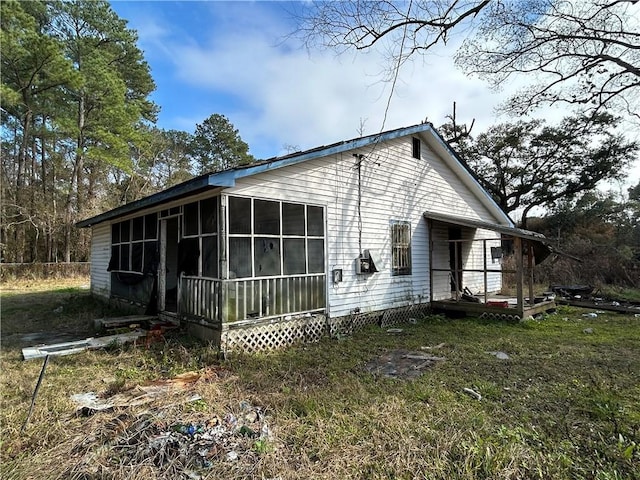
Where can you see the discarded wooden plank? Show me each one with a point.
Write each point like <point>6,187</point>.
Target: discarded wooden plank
<point>412,356</point>
<point>116,322</point>
<point>599,305</point>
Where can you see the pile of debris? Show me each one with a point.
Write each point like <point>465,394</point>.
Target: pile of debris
<point>585,297</point>
<point>176,449</point>
<point>194,445</point>
<point>164,437</point>
<point>403,364</point>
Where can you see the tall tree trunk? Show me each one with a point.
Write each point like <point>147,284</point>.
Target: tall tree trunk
<point>75,187</point>
<point>19,228</point>
<point>36,213</point>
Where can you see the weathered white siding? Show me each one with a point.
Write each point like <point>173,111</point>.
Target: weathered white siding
<point>100,255</point>
<point>394,186</point>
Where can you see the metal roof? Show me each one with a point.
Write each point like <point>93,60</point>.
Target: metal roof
<point>228,177</point>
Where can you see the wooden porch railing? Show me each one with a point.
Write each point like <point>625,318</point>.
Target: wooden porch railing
<point>199,297</point>
<point>243,299</point>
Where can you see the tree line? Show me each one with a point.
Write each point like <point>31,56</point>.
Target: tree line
<point>78,127</point>
<point>79,133</point>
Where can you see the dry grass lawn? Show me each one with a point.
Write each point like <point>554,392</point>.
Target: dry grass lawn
<point>565,404</point>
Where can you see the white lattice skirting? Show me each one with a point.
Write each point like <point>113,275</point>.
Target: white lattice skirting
<point>277,333</point>
<point>392,316</point>
<point>272,334</point>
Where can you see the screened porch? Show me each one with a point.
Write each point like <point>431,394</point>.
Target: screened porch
<point>264,259</point>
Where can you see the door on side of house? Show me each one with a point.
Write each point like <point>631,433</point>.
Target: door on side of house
<point>168,276</point>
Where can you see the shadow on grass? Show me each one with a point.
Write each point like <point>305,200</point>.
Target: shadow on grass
<point>62,314</point>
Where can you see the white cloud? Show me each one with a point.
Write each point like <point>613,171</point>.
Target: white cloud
<point>310,100</point>
<point>276,93</point>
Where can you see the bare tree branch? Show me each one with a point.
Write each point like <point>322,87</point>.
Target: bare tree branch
<point>585,53</point>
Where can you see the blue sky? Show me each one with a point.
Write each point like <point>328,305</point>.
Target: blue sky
<point>234,58</point>
<point>237,59</point>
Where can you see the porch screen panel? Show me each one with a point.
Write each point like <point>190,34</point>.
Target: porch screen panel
<point>239,257</point>
<point>266,216</point>
<point>190,219</point>
<point>292,219</point>
<point>200,227</point>
<point>138,228</point>
<point>267,256</point>
<point>315,221</point>
<point>209,215</point>
<point>294,256</point>
<point>281,238</point>
<point>210,257</point>
<point>151,226</point>
<point>316,255</point>
<point>124,257</point>
<point>239,215</point>
<point>137,250</point>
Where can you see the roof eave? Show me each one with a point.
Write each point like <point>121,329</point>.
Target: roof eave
<point>198,184</point>
<point>228,178</point>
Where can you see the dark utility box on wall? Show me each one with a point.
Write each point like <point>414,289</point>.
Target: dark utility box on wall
<point>365,264</point>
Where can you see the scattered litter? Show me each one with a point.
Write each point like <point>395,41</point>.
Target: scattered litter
<point>394,331</point>
<point>440,345</point>
<point>590,315</point>
<point>473,393</point>
<point>615,304</point>
<point>498,303</point>
<point>90,402</point>
<point>402,364</point>
<point>413,321</point>
<point>232,456</point>
<point>499,355</point>
<point>588,331</point>
<point>637,315</point>
<point>182,449</point>
<point>58,310</point>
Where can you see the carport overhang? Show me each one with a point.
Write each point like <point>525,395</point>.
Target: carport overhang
<point>541,246</point>
<point>530,248</point>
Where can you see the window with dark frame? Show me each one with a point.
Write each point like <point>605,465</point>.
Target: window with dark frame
<point>415,144</point>
<point>400,248</point>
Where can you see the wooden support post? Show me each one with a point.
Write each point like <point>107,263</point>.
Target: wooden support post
<point>517,247</point>
<point>530,264</point>
<point>484,254</point>
<point>430,228</point>
<point>223,273</point>
<point>456,275</point>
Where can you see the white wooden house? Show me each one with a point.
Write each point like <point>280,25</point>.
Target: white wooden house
<point>366,230</point>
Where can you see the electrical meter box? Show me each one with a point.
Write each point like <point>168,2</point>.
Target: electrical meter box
<point>365,264</point>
